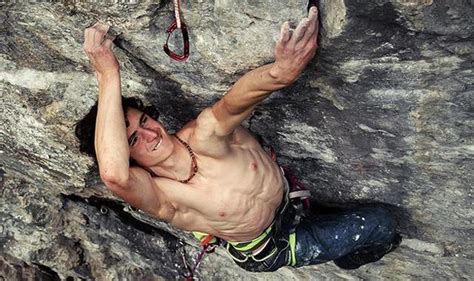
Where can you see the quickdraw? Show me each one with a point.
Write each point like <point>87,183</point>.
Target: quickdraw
<point>177,24</point>
<point>207,248</point>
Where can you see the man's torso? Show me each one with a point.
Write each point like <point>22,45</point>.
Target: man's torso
<point>235,192</point>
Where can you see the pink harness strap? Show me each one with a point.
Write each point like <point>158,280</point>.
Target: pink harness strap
<point>297,188</point>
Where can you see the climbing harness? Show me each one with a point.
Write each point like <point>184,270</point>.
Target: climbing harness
<point>299,198</point>
<point>177,24</point>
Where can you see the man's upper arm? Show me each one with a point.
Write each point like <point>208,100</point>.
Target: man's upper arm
<point>218,121</point>
<point>141,191</point>
<point>239,102</point>
<point>226,119</point>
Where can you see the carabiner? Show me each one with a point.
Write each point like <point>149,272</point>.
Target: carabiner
<point>184,31</point>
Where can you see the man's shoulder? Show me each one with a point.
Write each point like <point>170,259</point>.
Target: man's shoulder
<point>204,120</point>
<point>188,128</point>
<point>203,127</point>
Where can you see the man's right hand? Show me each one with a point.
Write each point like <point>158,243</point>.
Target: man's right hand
<point>295,49</point>
<point>98,48</point>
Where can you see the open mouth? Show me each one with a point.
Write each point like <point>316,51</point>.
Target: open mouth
<point>158,144</point>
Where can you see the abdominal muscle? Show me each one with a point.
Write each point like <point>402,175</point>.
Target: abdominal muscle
<point>234,197</point>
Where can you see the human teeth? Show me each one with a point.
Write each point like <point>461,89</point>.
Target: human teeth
<point>158,144</point>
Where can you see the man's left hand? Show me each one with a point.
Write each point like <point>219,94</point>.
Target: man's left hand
<point>98,47</point>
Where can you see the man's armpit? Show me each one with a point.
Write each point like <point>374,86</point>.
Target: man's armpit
<point>166,212</point>
<point>206,124</point>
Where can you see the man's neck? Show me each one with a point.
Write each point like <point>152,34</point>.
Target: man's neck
<point>177,166</point>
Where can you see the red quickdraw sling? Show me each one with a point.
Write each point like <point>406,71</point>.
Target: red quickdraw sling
<point>207,248</point>
<point>177,24</point>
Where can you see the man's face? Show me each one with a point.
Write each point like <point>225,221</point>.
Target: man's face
<point>148,141</point>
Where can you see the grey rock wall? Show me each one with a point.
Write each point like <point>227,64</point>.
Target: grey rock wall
<point>384,113</point>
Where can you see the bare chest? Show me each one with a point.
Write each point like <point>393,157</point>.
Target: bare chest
<point>232,196</point>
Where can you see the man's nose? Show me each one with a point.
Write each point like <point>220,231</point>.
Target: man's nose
<point>148,135</point>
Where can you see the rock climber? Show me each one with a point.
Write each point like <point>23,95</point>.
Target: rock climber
<point>214,177</point>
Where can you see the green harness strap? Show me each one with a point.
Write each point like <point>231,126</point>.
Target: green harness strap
<point>253,244</point>
<point>201,236</point>
<point>292,240</point>
<point>239,246</point>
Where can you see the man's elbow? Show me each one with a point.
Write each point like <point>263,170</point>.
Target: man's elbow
<point>114,180</point>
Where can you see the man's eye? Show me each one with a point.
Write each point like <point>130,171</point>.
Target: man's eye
<point>134,141</point>
<point>143,121</point>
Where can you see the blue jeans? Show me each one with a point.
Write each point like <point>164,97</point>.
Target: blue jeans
<point>358,236</point>
<point>349,238</point>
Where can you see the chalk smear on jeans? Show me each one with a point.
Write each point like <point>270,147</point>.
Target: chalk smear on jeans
<point>314,253</point>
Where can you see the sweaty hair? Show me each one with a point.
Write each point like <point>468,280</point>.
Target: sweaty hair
<point>85,128</point>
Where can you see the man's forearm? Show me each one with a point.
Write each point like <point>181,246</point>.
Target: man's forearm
<point>110,134</point>
<point>253,88</point>
<point>293,51</point>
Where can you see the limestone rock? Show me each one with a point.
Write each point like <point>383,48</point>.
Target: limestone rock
<point>383,113</point>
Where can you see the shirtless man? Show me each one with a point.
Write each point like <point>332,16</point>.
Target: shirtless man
<point>212,176</point>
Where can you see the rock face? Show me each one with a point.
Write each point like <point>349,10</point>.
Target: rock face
<point>384,113</point>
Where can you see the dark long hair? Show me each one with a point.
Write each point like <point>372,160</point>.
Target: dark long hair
<point>85,128</point>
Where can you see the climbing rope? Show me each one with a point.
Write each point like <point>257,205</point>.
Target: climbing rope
<point>177,16</point>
